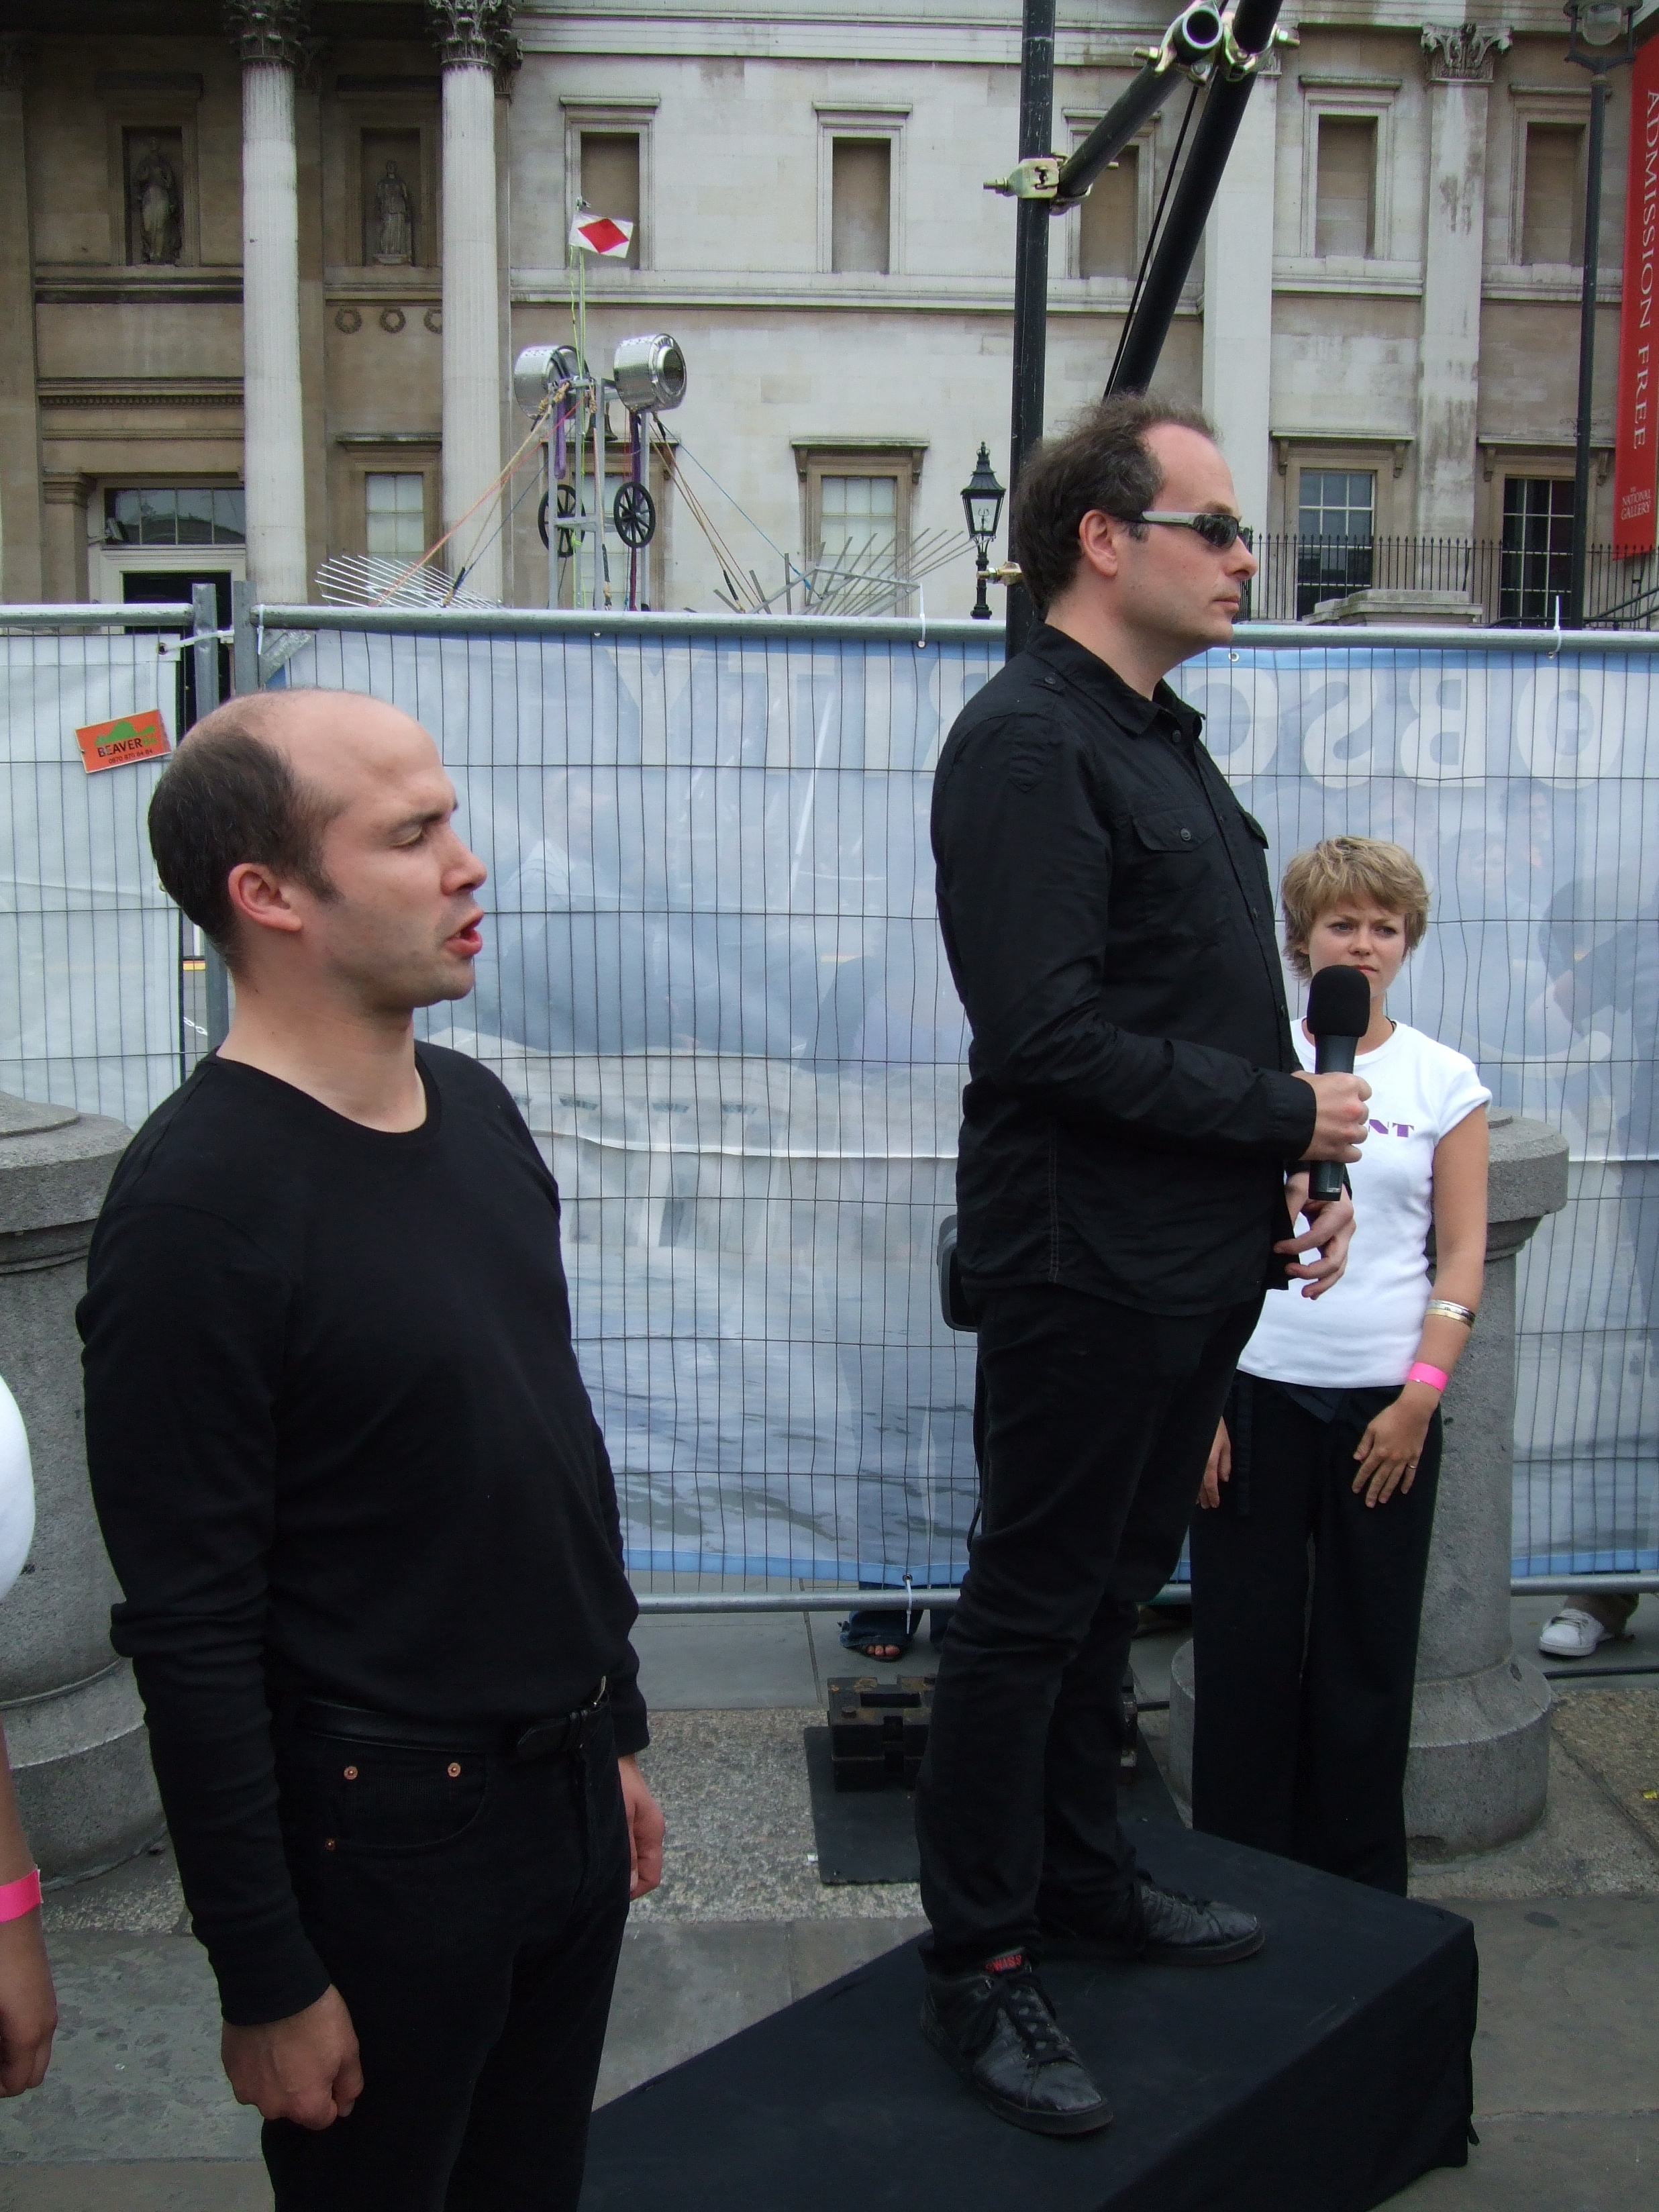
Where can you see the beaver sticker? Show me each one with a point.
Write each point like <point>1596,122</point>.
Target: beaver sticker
<point>128,737</point>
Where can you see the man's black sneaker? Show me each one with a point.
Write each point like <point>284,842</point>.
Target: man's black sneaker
<point>997,2028</point>
<point>1162,1927</point>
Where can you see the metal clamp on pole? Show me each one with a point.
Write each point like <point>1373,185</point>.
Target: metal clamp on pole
<point>1035,179</point>
<point>1190,47</point>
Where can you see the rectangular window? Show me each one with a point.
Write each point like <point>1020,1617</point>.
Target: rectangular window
<point>1346,193</point>
<point>1335,528</point>
<point>1536,560</point>
<point>858,537</point>
<point>184,515</point>
<point>395,514</point>
<point>393,231</point>
<point>1552,212</point>
<point>1109,222</point>
<point>611,179</point>
<point>861,205</point>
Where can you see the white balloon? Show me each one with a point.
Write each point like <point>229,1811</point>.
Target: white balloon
<point>17,1492</point>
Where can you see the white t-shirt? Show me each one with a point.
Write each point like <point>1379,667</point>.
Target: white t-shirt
<point>1363,1332</point>
<point>16,1492</point>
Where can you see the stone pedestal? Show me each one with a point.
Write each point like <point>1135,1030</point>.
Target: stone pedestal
<point>80,1756</point>
<point>1421,610</point>
<point>1478,1766</point>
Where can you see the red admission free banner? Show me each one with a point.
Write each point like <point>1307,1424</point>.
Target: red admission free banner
<point>1636,448</point>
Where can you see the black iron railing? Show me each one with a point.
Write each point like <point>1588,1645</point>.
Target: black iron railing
<point>1514,584</point>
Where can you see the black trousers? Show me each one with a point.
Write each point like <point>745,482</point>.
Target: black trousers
<point>1097,1422</point>
<point>1304,1709</point>
<point>470,1911</point>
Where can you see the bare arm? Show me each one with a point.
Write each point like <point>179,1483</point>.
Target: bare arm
<point>28,2008</point>
<point>1388,1452</point>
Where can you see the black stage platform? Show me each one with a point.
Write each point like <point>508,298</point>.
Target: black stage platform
<point>1322,2076</point>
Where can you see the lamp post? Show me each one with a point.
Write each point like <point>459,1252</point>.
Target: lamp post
<point>1596,25</point>
<point>982,503</point>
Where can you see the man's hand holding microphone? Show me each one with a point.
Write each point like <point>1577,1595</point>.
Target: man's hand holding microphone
<point>1339,1014</point>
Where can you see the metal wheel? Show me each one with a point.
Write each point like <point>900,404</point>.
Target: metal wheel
<point>635,514</point>
<point>567,506</point>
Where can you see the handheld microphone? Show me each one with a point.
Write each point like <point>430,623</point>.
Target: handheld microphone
<point>1339,1014</point>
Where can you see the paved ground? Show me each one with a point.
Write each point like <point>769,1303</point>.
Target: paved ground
<point>135,2117</point>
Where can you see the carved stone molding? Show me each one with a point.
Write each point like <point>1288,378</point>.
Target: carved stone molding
<point>1466,54</point>
<point>269,30</point>
<point>476,30</point>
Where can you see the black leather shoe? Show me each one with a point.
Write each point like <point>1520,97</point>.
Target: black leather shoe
<point>997,2029</point>
<point>1162,1927</point>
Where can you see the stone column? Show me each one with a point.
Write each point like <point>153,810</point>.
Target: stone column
<point>61,552</point>
<point>475,40</point>
<point>1238,300</point>
<point>80,1756</point>
<point>1459,68</point>
<point>268,36</point>
<point>1480,1755</point>
<point>20,425</point>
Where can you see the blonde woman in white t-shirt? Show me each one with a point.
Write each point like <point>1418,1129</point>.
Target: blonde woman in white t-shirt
<point>1330,1450</point>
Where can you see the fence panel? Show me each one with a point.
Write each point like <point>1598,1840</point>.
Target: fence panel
<point>89,973</point>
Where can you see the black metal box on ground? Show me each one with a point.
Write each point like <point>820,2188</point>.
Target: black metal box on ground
<point>878,1728</point>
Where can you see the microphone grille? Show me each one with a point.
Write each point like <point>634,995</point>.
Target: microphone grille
<point>1340,1003</point>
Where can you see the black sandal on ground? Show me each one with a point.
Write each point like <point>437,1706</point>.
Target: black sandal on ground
<point>883,1636</point>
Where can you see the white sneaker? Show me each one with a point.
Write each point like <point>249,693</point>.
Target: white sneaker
<point>1573,1634</point>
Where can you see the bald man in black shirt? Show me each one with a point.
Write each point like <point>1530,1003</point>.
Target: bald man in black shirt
<point>361,1511</point>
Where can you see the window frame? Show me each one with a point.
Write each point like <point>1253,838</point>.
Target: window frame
<point>1377,454</point>
<point>1144,145</point>
<point>362,454</point>
<point>107,564</point>
<point>901,458</point>
<point>1567,110</point>
<point>1352,103</point>
<point>886,120</point>
<point>615,116</point>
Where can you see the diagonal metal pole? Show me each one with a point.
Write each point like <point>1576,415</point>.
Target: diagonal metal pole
<point>1032,218</point>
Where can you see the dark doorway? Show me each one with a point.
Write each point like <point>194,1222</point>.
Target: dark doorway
<point>150,587</point>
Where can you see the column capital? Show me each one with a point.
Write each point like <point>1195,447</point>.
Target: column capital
<point>269,30</point>
<point>1464,53</point>
<point>475,32</point>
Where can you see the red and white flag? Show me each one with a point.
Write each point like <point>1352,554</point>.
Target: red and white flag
<point>609,234</point>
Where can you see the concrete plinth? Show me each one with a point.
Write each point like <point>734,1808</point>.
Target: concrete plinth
<point>1476,1773</point>
<point>73,1730</point>
<point>1437,609</point>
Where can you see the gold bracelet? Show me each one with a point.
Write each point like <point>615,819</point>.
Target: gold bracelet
<point>1452,1310</point>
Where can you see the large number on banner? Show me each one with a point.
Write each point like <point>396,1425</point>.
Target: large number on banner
<point>1445,739</point>
<point>1570,721</point>
<point>1240,707</point>
<point>1337,747</point>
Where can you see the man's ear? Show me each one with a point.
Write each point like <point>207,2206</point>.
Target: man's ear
<point>1098,540</point>
<point>258,897</point>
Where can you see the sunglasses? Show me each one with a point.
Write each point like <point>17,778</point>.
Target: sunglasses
<point>1220,531</point>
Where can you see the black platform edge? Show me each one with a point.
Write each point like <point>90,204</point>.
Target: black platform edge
<point>1324,2076</point>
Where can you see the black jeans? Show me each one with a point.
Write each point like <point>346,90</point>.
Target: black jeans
<point>1304,1711</point>
<point>1097,1422</point>
<point>470,1911</point>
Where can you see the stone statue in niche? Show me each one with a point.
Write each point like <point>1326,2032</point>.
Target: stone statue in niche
<point>157,207</point>
<point>394,218</point>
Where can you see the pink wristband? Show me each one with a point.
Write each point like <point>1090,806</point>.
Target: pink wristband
<point>1436,1377</point>
<point>19,1897</point>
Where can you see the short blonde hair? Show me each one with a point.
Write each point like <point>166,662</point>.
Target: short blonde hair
<point>1341,868</point>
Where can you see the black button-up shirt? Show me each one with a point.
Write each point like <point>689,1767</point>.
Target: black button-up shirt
<point>1108,917</point>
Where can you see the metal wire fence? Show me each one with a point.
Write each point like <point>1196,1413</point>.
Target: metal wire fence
<point>712,980</point>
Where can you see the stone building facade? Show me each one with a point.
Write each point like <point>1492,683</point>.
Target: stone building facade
<point>266,265</point>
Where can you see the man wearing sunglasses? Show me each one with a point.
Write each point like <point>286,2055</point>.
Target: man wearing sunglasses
<point>1127,1192</point>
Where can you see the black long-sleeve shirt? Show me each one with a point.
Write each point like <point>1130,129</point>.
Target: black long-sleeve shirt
<point>339,1448</point>
<point>1108,921</point>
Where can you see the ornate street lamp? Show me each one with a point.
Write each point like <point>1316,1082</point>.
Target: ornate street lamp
<point>982,503</point>
<point>1598,25</point>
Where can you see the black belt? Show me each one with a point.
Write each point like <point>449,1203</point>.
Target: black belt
<point>555,1737</point>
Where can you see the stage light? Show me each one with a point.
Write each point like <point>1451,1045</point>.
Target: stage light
<point>649,372</point>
